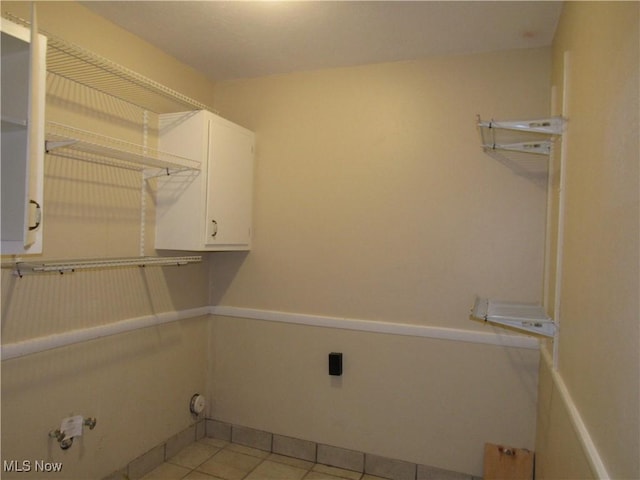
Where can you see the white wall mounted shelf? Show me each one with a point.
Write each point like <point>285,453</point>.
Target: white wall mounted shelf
<point>69,266</point>
<point>530,318</point>
<point>82,66</point>
<point>78,144</point>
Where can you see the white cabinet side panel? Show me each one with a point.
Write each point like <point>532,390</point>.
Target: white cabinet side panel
<point>181,197</point>
<point>22,139</point>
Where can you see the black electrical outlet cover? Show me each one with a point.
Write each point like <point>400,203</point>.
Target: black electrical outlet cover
<point>335,364</point>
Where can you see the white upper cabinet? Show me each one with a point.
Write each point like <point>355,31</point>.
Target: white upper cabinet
<point>210,209</point>
<point>22,137</point>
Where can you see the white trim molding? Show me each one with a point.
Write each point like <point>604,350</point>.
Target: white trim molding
<point>589,447</point>
<point>375,326</point>
<point>48,342</point>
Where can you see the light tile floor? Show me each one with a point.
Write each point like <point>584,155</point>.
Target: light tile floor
<point>212,459</point>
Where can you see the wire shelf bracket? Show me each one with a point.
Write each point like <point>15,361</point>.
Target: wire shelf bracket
<point>541,148</point>
<point>529,318</point>
<point>549,127</point>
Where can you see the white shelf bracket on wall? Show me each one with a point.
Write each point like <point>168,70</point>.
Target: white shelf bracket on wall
<point>541,148</point>
<point>50,145</point>
<point>546,126</point>
<point>551,126</point>
<point>530,318</point>
<point>541,134</point>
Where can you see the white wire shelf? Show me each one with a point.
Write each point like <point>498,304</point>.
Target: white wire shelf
<point>82,66</point>
<point>530,318</point>
<point>70,142</point>
<point>69,266</point>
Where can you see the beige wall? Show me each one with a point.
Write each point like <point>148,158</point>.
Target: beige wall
<point>423,400</point>
<point>137,384</point>
<point>374,201</point>
<point>598,360</point>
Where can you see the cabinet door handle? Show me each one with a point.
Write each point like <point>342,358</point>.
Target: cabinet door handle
<point>214,228</point>
<point>38,215</point>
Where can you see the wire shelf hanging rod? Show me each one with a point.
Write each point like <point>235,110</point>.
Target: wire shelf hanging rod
<point>70,266</point>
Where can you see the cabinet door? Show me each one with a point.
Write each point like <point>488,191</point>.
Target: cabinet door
<point>23,93</point>
<point>230,186</point>
<point>208,210</point>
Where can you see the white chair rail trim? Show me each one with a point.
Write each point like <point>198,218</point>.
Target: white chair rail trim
<point>493,337</point>
<point>48,342</point>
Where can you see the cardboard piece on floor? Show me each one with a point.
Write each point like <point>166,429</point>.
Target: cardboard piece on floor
<point>507,463</point>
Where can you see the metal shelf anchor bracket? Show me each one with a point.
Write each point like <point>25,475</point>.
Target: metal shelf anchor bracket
<point>529,318</point>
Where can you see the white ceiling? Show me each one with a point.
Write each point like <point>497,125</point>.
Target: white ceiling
<point>243,39</point>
